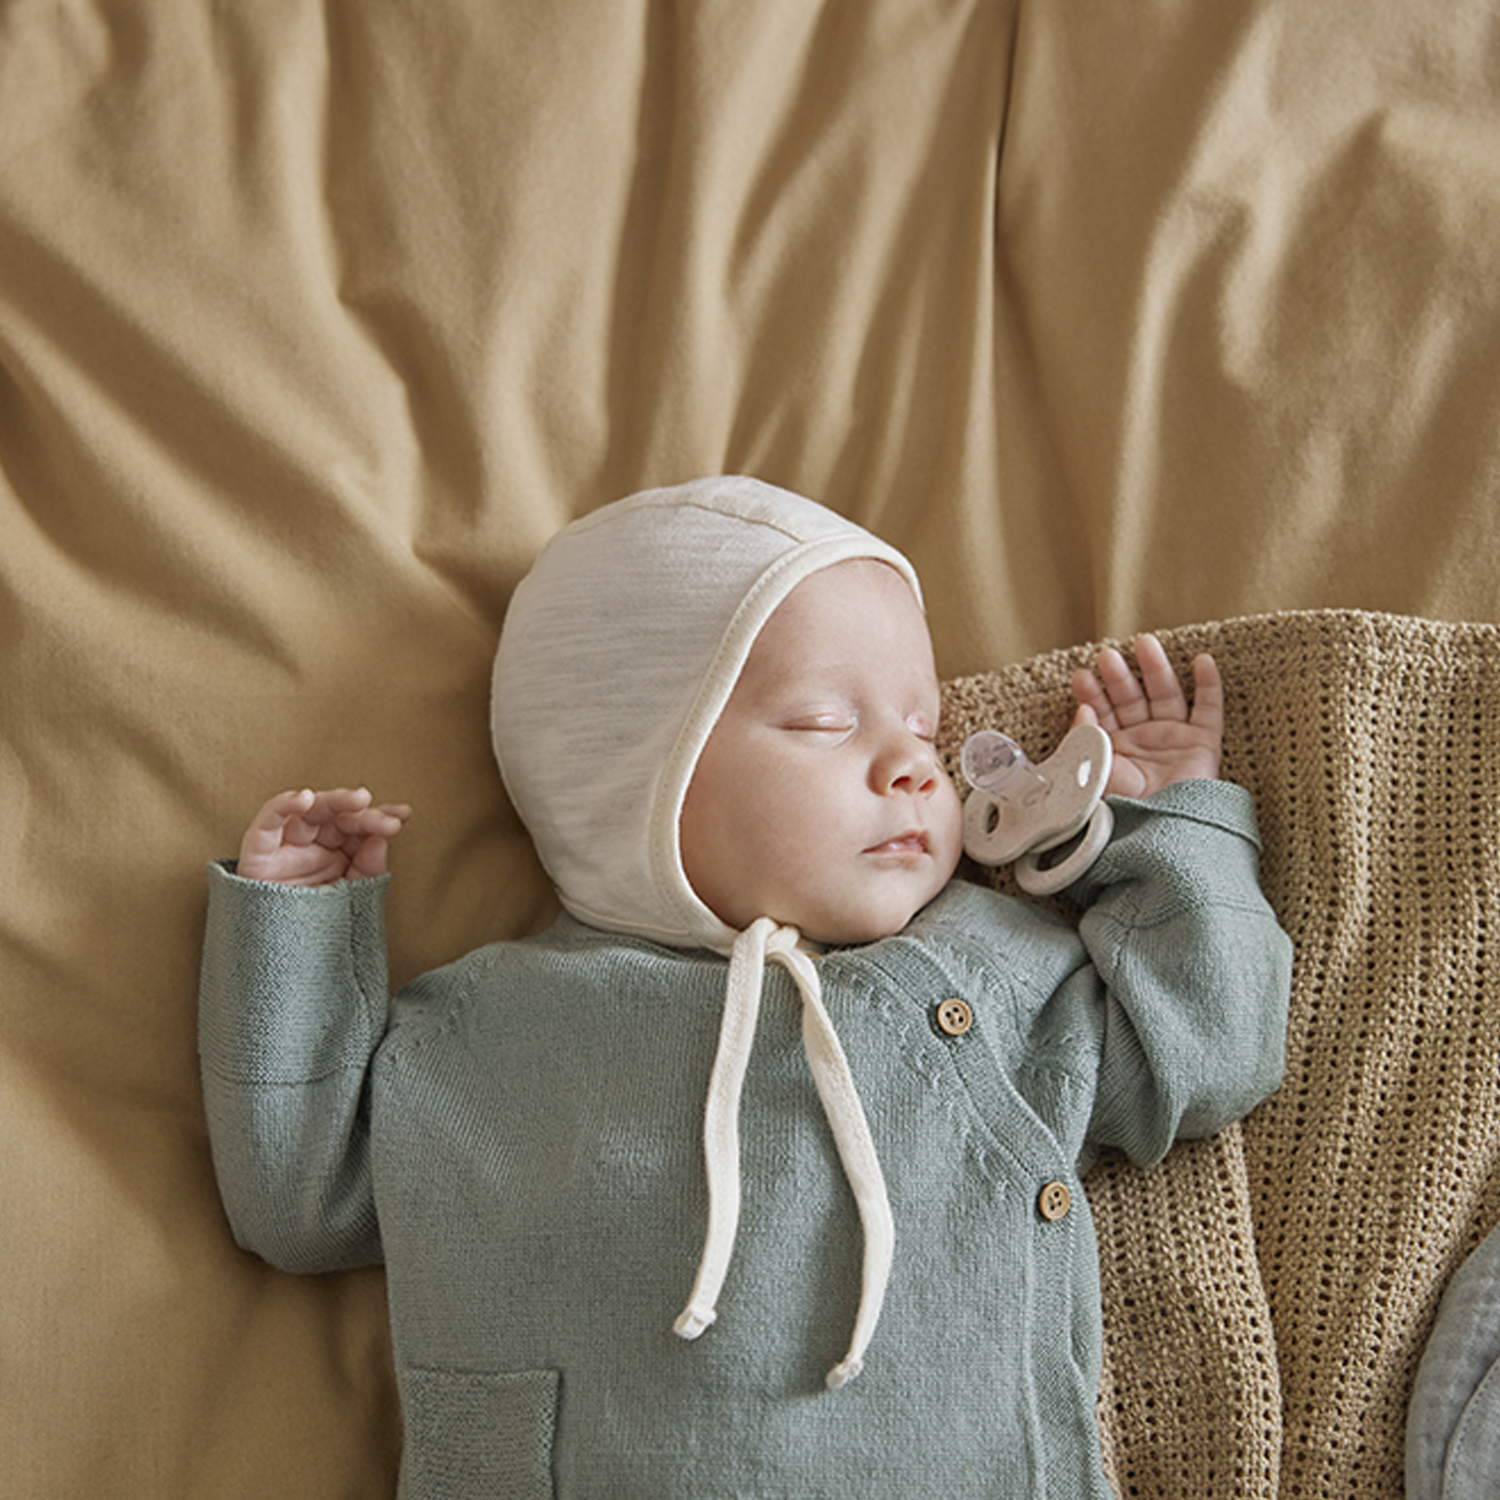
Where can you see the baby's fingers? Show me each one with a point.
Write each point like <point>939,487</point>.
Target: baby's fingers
<point>1113,692</point>
<point>342,805</point>
<point>366,836</point>
<point>370,858</point>
<point>1163,687</point>
<point>267,830</point>
<point>283,806</point>
<point>1093,701</point>
<point>344,816</point>
<point>326,817</point>
<point>1208,695</point>
<point>383,822</point>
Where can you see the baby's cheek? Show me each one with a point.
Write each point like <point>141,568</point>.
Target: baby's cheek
<point>950,823</point>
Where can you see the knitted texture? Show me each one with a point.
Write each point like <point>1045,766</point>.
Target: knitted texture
<point>620,649</point>
<point>1268,1292</point>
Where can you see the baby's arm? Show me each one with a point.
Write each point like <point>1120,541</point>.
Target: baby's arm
<point>317,838</point>
<point>1158,739</point>
<point>1193,968</point>
<point>1194,971</point>
<point>293,1005</point>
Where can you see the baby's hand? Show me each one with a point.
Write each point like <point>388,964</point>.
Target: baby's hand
<point>317,838</point>
<point>1157,739</point>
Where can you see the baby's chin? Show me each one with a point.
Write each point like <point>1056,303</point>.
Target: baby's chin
<point>863,910</point>
<point>851,929</point>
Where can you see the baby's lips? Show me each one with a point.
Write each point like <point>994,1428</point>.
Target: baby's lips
<point>914,841</point>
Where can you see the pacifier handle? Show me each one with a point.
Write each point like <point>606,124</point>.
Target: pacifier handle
<point>1038,879</point>
<point>1018,811</point>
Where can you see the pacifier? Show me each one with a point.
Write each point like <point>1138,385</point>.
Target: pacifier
<point>1018,811</point>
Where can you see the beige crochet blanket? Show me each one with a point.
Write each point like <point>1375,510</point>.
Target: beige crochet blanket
<point>1269,1292</point>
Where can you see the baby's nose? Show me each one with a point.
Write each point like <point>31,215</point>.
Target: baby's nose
<point>911,767</point>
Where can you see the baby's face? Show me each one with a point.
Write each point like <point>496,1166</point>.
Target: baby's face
<point>819,800</point>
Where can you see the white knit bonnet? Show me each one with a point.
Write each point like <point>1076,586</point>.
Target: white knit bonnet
<point>618,654</point>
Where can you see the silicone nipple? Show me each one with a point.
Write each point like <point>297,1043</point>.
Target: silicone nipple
<point>993,762</point>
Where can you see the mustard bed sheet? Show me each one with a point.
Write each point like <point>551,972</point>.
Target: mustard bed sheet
<point>317,319</point>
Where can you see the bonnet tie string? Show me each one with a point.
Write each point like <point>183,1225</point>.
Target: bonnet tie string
<point>760,941</point>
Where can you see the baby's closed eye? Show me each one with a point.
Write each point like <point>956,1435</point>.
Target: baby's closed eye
<point>820,721</point>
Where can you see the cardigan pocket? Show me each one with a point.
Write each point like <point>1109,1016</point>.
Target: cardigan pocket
<point>485,1433</point>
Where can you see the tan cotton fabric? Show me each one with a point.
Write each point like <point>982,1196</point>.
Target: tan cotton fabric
<point>317,319</point>
<point>1269,1292</point>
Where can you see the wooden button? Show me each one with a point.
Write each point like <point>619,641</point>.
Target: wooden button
<point>954,1017</point>
<point>1055,1201</point>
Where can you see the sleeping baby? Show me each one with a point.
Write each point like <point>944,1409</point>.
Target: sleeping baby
<point>758,1173</point>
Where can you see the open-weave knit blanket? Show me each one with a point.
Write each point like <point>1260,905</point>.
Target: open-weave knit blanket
<point>1268,1293</point>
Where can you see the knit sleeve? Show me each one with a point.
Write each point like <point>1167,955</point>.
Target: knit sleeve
<point>1196,971</point>
<point>292,1004</point>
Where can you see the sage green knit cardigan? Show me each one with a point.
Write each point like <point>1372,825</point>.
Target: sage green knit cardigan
<point>518,1138</point>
